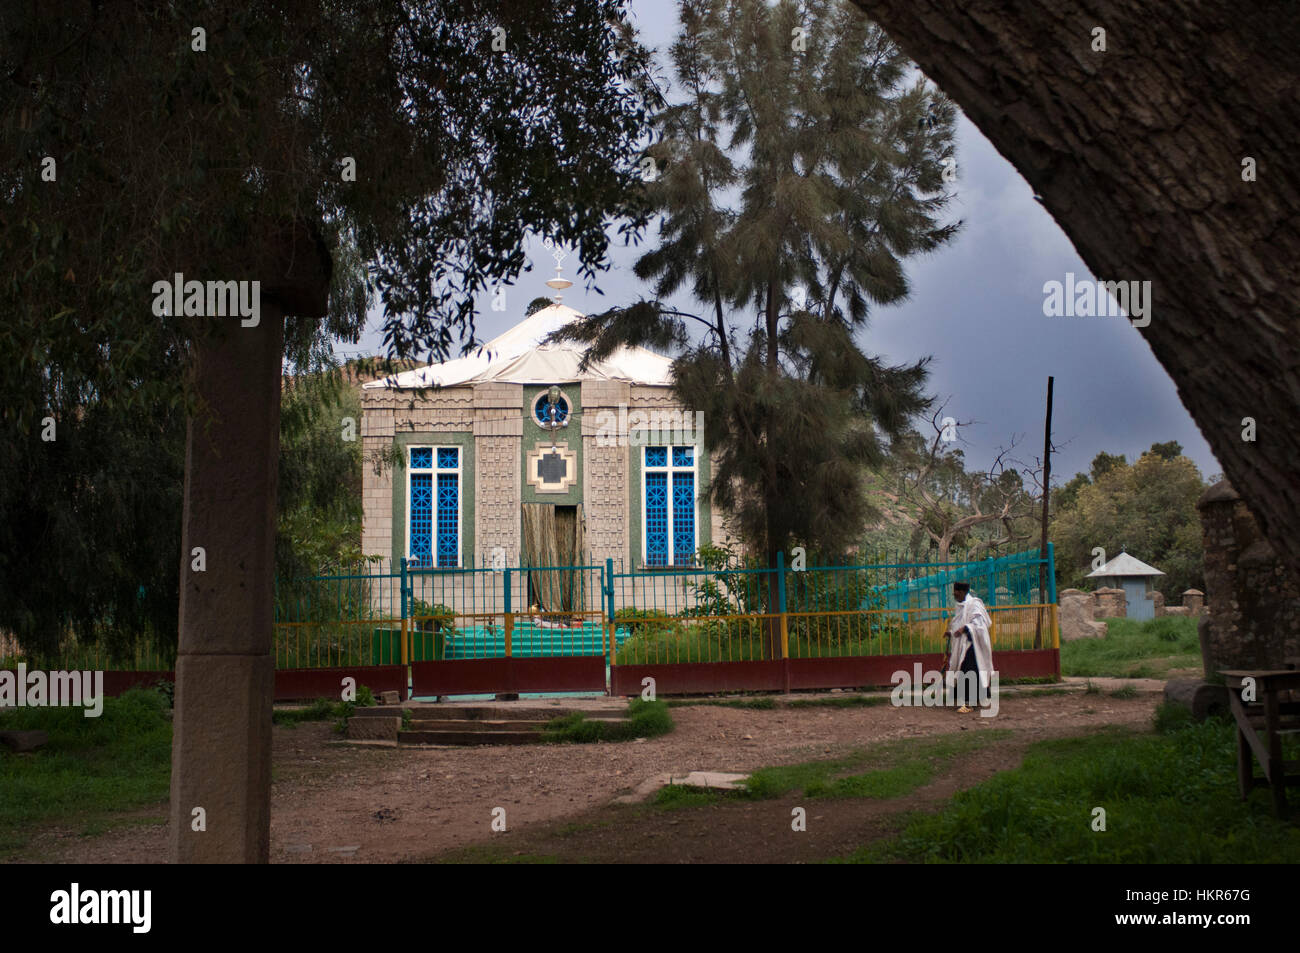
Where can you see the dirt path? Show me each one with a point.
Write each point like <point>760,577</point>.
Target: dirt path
<point>412,804</point>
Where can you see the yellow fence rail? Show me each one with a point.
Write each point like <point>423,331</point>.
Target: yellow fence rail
<point>665,639</point>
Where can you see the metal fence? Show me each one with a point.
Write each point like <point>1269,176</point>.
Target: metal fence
<point>737,613</point>
<point>381,614</point>
<point>417,614</point>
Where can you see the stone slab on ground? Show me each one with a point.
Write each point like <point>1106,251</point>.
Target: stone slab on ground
<point>1108,684</point>
<point>712,780</point>
<point>18,741</point>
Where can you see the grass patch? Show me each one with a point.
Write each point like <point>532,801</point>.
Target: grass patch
<point>485,854</point>
<point>1171,716</point>
<point>91,769</point>
<point>644,720</point>
<point>322,709</point>
<point>1045,691</point>
<point>318,710</point>
<point>770,704</point>
<point>1170,798</point>
<point>897,768</point>
<point>841,701</point>
<point>1135,649</point>
<point>672,796</point>
<point>1127,691</point>
<point>759,704</point>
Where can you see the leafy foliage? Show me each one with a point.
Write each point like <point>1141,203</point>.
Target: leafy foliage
<point>791,186</point>
<point>319,489</point>
<point>1147,508</point>
<point>228,163</point>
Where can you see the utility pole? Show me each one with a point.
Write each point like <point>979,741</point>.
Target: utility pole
<point>1047,492</point>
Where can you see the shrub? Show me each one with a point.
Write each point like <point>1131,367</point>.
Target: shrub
<point>643,622</point>
<point>645,720</point>
<point>432,618</point>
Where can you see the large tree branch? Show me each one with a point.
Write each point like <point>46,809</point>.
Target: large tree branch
<point>1138,153</point>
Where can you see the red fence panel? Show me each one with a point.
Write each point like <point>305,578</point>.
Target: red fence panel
<point>859,671</point>
<point>295,684</point>
<point>578,673</point>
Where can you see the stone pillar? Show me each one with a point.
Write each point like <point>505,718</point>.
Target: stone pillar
<point>1111,604</point>
<point>1254,602</point>
<point>221,744</point>
<point>1158,602</point>
<point>1194,602</point>
<point>606,461</point>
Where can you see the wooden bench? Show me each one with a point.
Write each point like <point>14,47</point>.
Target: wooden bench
<point>1273,710</point>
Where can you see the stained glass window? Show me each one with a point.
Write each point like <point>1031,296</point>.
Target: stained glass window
<point>669,506</point>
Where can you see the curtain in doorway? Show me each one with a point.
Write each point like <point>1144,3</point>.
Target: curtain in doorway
<point>554,536</point>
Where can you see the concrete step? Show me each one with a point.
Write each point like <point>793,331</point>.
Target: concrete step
<point>487,725</point>
<point>497,713</point>
<point>454,724</point>
<point>469,737</point>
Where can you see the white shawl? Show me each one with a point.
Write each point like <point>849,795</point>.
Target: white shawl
<point>971,614</point>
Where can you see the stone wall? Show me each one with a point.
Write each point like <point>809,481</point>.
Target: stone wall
<point>1253,620</point>
<point>1110,604</point>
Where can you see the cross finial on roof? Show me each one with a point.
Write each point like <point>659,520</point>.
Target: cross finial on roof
<point>559,282</point>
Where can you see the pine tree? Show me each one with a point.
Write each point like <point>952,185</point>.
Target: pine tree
<point>800,161</point>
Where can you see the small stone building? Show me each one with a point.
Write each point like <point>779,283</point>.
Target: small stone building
<point>514,455</point>
<point>1133,577</point>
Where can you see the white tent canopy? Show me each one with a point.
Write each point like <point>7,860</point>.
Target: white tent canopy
<point>518,356</point>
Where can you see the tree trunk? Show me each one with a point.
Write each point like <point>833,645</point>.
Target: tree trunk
<point>774,538</point>
<point>1138,153</point>
<point>221,746</point>
<point>772,624</point>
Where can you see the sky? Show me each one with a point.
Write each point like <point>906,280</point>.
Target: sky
<point>976,308</point>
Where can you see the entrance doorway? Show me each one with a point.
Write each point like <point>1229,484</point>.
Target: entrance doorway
<point>554,536</point>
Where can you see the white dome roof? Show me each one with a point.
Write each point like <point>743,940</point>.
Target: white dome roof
<point>518,356</point>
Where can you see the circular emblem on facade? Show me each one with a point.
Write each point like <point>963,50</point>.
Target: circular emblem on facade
<point>542,409</point>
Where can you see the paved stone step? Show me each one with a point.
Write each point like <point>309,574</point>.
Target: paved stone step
<point>455,724</point>
<point>488,713</point>
<point>483,725</point>
<point>469,737</point>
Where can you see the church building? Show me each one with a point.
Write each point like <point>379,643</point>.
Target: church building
<point>512,455</point>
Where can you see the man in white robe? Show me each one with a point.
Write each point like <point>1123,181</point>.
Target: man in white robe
<point>971,649</point>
